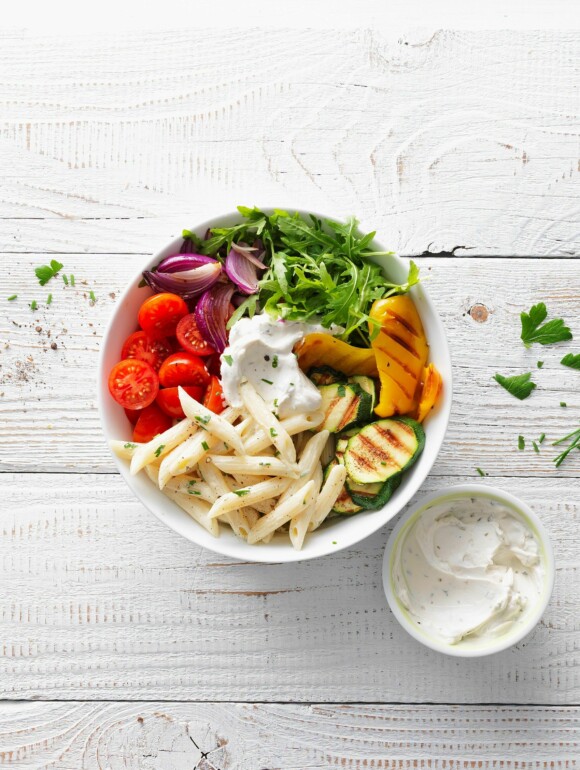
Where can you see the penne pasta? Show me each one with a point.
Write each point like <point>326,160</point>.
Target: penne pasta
<point>215,424</point>
<point>124,449</point>
<point>161,445</point>
<point>282,513</point>
<point>185,485</point>
<point>255,466</point>
<point>270,424</point>
<point>239,521</point>
<point>299,524</point>
<point>328,494</point>
<point>248,496</point>
<point>259,441</point>
<point>308,462</point>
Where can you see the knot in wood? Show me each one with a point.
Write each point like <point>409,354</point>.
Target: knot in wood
<point>479,313</point>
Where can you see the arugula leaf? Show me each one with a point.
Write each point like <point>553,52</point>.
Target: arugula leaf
<point>571,360</point>
<point>546,334</point>
<point>45,272</point>
<point>519,385</point>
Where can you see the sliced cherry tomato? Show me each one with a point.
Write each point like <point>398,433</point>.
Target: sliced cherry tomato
<point>183,369</point>
<point>160,314</point>
<point>140,345</point>
<point>168,399</point>
<point>151,422</point>
<point>214,396</point>
<point>133,384</point>
<point>190,337</point>
<point>214,365</point>
<point>133,415</point>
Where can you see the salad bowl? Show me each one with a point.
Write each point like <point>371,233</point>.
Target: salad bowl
<point>335,534</point>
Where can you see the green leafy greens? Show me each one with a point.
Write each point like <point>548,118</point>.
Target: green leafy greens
<point>519,385</point>
<point>535,330</point>
<point>315,270</point>
<point>45,272</point>
<point>571,360</point>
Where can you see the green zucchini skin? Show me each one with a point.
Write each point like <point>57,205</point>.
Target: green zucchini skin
<point>383,449</point>
<point>367,384</point>
<point>344,405</point>
<point>373,496</point>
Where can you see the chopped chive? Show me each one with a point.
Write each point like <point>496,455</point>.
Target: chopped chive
<point>563,403</point>
<point>276,403</point>
<point>481,473</point>
<point>159,449</point>
<point>541,439</point>
<point>241,492</point>
<point>33,304</point>
<point>203,420</point>
<point>275,362</point>
<point>334,542</point>
<point>49,299</point>
<point>268,382</point>
<point>540,364</point>
<point>521,443</point>
<point>273,432</point>
<point>72,280</point>
<point>229,360</point>
<point>65,279</point>
<point>12,298</point>
<point>205,445</point>
<point>92,296</point>
<point>129,445</point>
<point>536,447</point>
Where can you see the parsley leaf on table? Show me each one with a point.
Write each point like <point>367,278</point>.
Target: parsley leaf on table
<point>519,385</point>
<point>571,360</point>
<point>45,272</point>
<point>535,330</point>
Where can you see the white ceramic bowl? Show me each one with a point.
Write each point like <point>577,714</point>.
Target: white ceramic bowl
<point>338,533</point>
<point>472,648</point>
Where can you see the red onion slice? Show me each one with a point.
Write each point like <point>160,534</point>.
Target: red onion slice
<point>187,283</point>
<point>181,262</point>
<point>242,271</point>
<point>211,314</point>
<point>247,251</point>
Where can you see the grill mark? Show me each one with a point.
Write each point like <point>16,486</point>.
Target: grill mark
<point>404,322</point>
<point>404,344</point>
<point>391,437</point>
<point>377,451</point>
<point>397,361</point>
<point>347,416</point>
<point>399,385</point>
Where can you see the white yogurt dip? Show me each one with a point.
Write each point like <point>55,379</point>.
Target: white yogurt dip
<point>468,568</point>
<point>260,351</point>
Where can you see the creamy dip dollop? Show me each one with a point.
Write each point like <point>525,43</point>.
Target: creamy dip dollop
<point>260,351</point>
<point>468,568</point>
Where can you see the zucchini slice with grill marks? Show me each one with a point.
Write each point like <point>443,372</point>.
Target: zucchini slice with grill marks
<point>383,449</point>
<point>343,406</point>
<point>367,384</point>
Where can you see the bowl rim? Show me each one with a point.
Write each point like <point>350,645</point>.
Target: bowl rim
<point>254,553</point>
<point>453,492</point>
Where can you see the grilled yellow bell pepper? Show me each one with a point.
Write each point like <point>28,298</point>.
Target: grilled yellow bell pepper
<point>430,391</point>
<point>324,350</point>
<point>401,352</point>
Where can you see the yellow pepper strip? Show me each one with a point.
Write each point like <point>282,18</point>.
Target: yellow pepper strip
<point>401,351</point>
<point>321,349</point>
<point>432,387</point>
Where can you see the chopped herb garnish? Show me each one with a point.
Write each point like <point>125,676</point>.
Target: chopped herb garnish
<point>273,433</point>
<point>12,298</point>
<point>49,299</point>
<point>536,447</point>
<point>334,542</point>
<point>192,483</point>
<point>521,443</point>
<point>205,445</point>
<point>481,473</point>
<point>264,465</point>
<point>291,384</point>
<point>203,419</point>
<point>129,445</point>
<point>275,362</point>
<point>276,453</point>
<point>241,492</point>
<point>563,403</point>
<point>383,462</point>
<point>519,385</point>
<point>193,492</point>
<point>92,296</point>
<point>45,272</point>
<point>65,279</point>
<point>571,360</point>
<point>541,439</point>
<point>229,360</point>
<point>33,304</point>
<point>535,330</point>
<point>540,364</point>
<point>276,403</point>
<point>159,449</point>
<point>574,439</point>
<point>72,280</point>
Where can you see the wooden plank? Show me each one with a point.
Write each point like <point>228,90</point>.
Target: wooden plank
<point>101,601</point>
<point>49,419</point>
<point>451,140</point>
<point>213,736</point>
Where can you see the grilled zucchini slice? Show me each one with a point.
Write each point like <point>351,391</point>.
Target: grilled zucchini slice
<point>325,375</point>
<point>367,384</point>
<point>344,504</point>
<point>373,496</point>
<point>383,449</point>
<point>343,406</point>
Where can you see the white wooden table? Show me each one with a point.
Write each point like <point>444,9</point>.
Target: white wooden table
<point>124,646</point>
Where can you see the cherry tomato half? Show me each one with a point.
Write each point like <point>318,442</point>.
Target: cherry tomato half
<point>133,384</point>
<point>133,415</point>
<point>140,345</point>
<point>159,314</point>
<point>190,338</point>
<point>168,399</point>
<point>214,396</point>
<point>151,422</point>
<point>183,369</point>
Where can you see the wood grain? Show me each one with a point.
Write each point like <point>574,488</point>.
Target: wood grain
<point>213,736</point>
<point>453,140</point>
<point>49,419</point>
<point>101,600</point>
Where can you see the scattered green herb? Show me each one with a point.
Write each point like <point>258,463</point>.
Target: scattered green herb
<point>275,362</point>
<point>45,272</point>
<point>92,296</point>
<point>519,385</point>
<point>481,473</point>
<point>540,364</point>
<point>536,447</point>
<point>334,542</point>
<point>521,443</point>
<point>563,403</point>
<point>159,449</point>
<point>129,445</point>
<point>264,465</point>
<point>542,438</point>
<point>571,360</point>
<point>49,299</point>
<point>193,492</point>
<point>277,453</point>
<point>241,492</point>
<point>268,382</point>
<point>65,279</point>
<point>205,445</point>
<point>535,330</point>
<point>33,304</point>
<point>203,419</point>
<point>228,359</point>
<point>276,403</point>
<point>12,297</point>
<point>574,439</point>
<point>273,432</point>
<point>72,280</point>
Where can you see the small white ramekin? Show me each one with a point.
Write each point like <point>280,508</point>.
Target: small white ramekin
<point>469,649</point>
